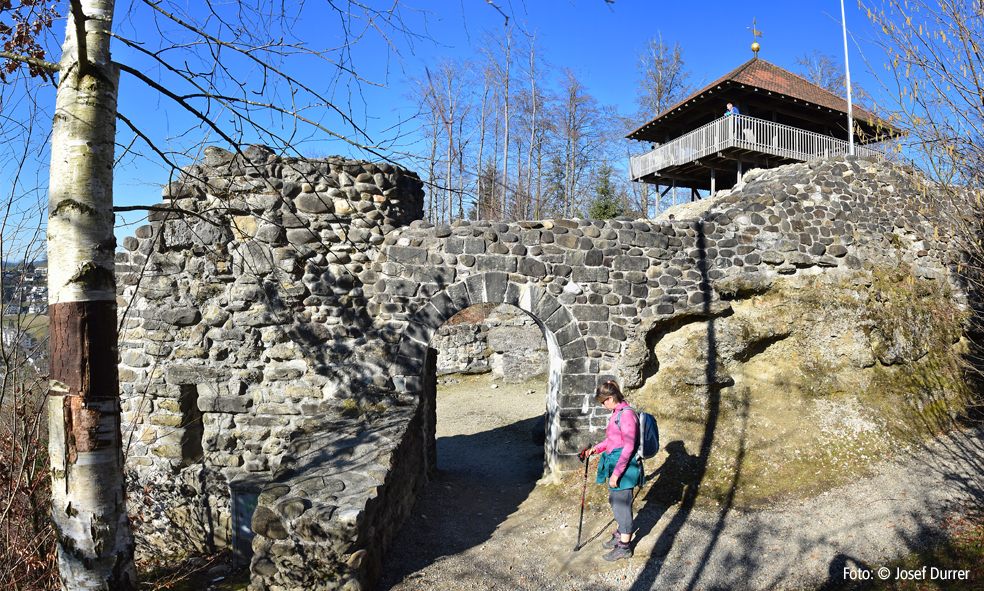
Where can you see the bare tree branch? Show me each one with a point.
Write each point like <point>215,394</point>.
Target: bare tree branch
<point>45,65</point>
<point>79,18</point>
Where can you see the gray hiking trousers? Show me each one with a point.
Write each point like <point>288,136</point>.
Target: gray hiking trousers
<point>621,502</point>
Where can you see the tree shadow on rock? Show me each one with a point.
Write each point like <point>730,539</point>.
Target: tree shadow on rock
<point>698,463</point>
<point>674,477</point>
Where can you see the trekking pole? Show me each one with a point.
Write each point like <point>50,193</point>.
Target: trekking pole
<point>587,458</point>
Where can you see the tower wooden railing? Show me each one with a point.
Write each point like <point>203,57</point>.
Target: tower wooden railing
<point>743,132</point>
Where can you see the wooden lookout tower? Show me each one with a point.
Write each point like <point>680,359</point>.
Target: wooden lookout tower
<point>782,118</point>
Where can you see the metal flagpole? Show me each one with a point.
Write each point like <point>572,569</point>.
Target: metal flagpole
<point>847,72</point>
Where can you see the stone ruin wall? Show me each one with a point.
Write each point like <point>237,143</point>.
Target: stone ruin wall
<point>517,349</point>
<point>507,343</point>
<point>279,343</point>
<point>463,349</point>
<point>244,324</point>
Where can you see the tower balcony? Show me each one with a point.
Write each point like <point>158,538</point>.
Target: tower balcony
<point>721,148</point>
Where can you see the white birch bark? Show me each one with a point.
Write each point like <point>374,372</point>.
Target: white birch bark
<point>95,544</point>
<point>483,121</point>
<point>535,99</point>
<point>452,105</point>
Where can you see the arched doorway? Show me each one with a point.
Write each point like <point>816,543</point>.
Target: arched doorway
<point>572,376</point>
<point>570,414</point>
<point>491,394</point>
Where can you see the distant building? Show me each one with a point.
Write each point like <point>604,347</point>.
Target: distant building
<point>13,336</point>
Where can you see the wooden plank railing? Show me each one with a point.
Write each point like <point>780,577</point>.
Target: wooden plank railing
<point>741,131</point>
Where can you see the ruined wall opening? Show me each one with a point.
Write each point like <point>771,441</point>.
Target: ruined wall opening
<point>192,426</point>
<point>492,367</point>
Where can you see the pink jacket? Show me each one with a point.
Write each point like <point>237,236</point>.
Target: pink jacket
<point>624,437</point>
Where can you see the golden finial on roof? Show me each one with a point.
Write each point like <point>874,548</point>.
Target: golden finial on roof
<point>755,33</point>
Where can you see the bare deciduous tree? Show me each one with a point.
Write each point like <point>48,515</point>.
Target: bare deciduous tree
<point>827,72</point>
<point>505,77</point>
<point>579,124</point>
<point>25,526</point>
<point>532,119</point>
<point>824,70</point>
<point>453,105</point>
<point>936,77</point>
<point>662,82</point>
<point>936,82</point>
<point>486,114</point>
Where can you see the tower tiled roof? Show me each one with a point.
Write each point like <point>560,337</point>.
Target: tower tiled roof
<point>770,83</point>
<point>767,76</point>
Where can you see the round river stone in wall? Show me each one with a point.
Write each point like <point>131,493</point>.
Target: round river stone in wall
<point>267,523</point>
<point>314,203</point>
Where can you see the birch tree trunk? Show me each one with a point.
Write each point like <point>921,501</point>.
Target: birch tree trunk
<point>462,146</point>
<point>452,105</point>
<point>535,98</point>
<point>95,544</point>
<point>432,175</point>
<point>490,210</point>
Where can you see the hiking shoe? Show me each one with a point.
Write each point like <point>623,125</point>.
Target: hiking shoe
<point>620,551</point>
<point>611,543</point>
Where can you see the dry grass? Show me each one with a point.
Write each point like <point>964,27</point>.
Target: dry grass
<point>193,573</point>
<point>28,560</point>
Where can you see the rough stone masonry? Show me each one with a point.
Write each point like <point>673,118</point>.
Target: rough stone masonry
<point>278,331</point>
<point>506,343</point>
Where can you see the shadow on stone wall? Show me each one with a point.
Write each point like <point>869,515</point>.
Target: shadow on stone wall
<point>699,462</point>
<point>293,325</point>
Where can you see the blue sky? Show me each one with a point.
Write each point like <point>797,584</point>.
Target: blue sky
<point>597,38</point>
<point>600,39</point>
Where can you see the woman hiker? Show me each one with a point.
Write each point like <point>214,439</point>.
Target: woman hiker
<point>618,466</point>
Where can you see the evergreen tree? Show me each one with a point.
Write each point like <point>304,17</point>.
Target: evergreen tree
<point>486,205</point>
<point>554,195</point>
<point>606,205</point>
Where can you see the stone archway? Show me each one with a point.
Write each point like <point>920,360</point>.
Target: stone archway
<point>570,383</point>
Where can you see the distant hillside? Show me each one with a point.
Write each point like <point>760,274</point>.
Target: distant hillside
<point>6,264</point>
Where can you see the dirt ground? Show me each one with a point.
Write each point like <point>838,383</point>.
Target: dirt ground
<point>485,505</point>
<point>487,522</point>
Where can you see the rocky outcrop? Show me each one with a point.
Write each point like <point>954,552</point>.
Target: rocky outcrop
<point>829,217</point>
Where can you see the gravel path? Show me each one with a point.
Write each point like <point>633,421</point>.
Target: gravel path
<point>484,523</point>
